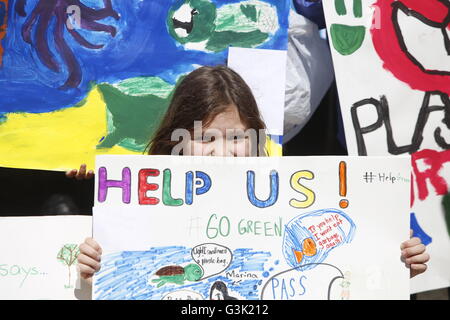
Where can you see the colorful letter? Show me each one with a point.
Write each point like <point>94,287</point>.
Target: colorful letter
<point>144,186</point>
<point>167,197</point>
<point>104,184</point>
<point>309,194</point>
<point>274,184</point>
<point>202,179</point>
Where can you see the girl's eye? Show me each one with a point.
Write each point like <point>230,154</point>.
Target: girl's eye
<point>207,138</point>
<point>237,138</point>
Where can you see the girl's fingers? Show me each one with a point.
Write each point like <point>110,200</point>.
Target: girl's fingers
<point>88,261</point>
<point>93,244</point>
<point>418,259</point>
<point>410,243</point>
<point>89,251</point>
<point>71,173</point>
<point>417,269</point>
<point>82,173</point>
<point>412,251</point>
<point>90,174</point>
<point>84,269</point>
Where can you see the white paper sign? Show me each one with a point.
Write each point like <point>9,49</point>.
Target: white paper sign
<point>251,228</point>
<point>265,73</point>
<point>38,257</point>
<point>392,64</point>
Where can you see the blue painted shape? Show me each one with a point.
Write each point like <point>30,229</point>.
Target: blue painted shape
<point>189,187</point>
<point>127,275</point>
<point>418,231</point>
<point>2,13</point>
<point>142,48</point>
<point>274,186</point>
<point>206,181</point>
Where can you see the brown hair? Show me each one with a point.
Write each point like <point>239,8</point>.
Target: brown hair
<point>201,96</point>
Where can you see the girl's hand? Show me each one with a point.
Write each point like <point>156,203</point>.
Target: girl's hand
<point>89,259</point>
<point>80,174</point>
<point>414,255</point>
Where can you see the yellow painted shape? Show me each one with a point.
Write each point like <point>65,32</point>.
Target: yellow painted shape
<point>297,186</point>
<point>273,149</point>
<point>58,140</point>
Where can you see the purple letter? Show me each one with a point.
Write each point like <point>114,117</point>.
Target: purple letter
<point>104,184</point>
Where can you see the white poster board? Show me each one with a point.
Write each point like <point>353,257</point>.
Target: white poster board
<point>265,73</point>
<point>38,257</point>
<point>392,66</point>
<point>251,228</point>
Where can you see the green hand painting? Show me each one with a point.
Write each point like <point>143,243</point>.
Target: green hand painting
<point>146,101</point>
<point>199,25</point>
<point>68,255</point>
<point>347,39</point>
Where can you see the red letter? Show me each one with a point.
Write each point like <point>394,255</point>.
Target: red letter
<point>144,186</point>
<point>435,160</point>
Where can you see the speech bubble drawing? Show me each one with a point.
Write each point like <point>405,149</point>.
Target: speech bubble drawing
<point>296,284</point>
<point>183,295</point>
<point>213,258</point>
<point>309,238</point>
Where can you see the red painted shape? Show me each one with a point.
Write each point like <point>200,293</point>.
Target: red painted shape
<point>389,50</point>
<point>3,27</point>
<point>435,160</point>
<point>144,186</point>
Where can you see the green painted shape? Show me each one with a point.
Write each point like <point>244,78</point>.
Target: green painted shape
<point>193,272</point>
<point>145,86</point>
<point>357,8</point>
<point>347,39</point>
<point>132,120</point>
<point>167,196</point>
<point>340,7</point>
<point>446,205</point>
<point>203,21</point>
<point>249,11</point>
<point>222,40</point>
<point>177,279</point>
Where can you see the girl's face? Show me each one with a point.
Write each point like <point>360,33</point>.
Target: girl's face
<point>224,137</point>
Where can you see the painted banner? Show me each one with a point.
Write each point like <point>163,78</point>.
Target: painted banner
<point>38,257</point>
<point>217,228</point>
<point>80,78</point>
<point>392,64</point>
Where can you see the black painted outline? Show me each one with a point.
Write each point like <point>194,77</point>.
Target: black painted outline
<point>382,109</point>
<point>409,12</point>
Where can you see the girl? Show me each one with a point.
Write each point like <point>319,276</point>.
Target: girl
<point>222,101</point>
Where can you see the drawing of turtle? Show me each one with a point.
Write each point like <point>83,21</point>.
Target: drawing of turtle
<point>178,275</point>
<point>200,25</point>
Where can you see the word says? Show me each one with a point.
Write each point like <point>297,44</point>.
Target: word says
<point>222,227</point>
<point>16,270</point>
<point>202,183</point>
<point>382,109</point>
<point>288,289</point>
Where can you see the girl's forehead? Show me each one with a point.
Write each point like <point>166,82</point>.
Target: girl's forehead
<point>228,119</point>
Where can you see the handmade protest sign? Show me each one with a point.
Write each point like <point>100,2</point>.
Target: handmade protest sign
<point>392,64</point>
<point>251,228</point>
<point>103,73</point>
<point>39,257</point>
